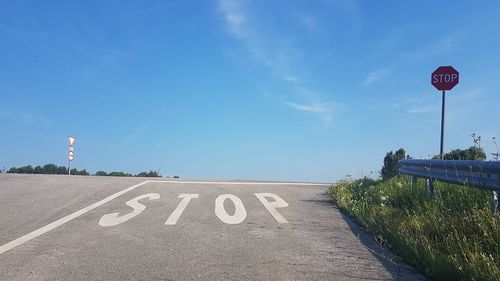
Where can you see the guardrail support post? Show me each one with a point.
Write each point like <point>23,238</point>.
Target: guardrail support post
<point>429,186</point>
<point>495,208</point>
<point>413,181</point>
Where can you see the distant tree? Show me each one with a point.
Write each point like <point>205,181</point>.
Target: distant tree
<point>61,170</point>
<point>101,173</point>
<point>472,153</point>
<point>147,174</point>
<point>50,169</point>
<point>79,173</point>
<point>38,170</point>
<point>22,170</point>
<point>119,174</point>
<point>391,165</point>
<point>27,170</point>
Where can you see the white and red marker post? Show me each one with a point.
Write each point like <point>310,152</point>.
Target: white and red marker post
<point>444,78</point>
<point>71,153</point>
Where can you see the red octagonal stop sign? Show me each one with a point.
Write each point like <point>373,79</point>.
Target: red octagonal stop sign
<point>444,78</point>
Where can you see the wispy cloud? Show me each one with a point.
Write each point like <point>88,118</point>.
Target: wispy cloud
<point>442,45</point>
<point>267,46</point>
<point>235,18</point>
<point>268,49</point>
<point>323,110</point>
<point>21,31</point>
<point>431,103</point>
<point>24,117</point>
<point>291,78</point>
<point>376,75</point>
<point>29,118</point>
<point>9,29</point>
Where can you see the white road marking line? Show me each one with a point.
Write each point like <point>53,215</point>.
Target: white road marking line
<point>23,239</point>
<point>113,218</point>
<point>240,183</point>
<point>271,206</point>
<point>176,214</point>
<point>239,210</point>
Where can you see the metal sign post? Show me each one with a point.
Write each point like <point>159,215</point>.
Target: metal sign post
<point>444,78</point>
<point>442,126</point>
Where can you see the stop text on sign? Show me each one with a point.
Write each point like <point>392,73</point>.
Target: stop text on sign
<point>238,217</point>
<point>444,78</point>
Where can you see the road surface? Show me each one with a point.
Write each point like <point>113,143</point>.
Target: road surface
<point>107,228</point>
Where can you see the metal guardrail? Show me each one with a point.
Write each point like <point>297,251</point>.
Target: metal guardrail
<point>478,174</point>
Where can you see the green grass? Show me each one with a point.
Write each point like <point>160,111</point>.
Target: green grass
<point>448,236</point>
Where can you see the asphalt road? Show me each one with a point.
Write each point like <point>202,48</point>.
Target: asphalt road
<point>105,228</point>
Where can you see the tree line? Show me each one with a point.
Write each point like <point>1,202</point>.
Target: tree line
<point>52,169</point>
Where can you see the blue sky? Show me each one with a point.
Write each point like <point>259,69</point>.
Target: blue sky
<point>279,90</point>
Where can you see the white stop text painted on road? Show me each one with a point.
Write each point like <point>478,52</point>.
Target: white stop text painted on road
<point>176,214</point>
<point>238,217</point>
<point>271,206</point>
<point>114,219</point>
<point>239,210</point>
